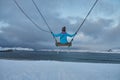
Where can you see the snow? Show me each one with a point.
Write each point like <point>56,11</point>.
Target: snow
<point>92,51</point>
<point>16,48</point>
<point>61,50</point>
<point>54,70</point>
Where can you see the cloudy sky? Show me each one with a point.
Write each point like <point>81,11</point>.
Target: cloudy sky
<point>100,31</point>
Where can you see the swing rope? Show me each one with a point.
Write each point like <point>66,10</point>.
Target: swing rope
<point>85,19</point>
<point>50,30</point>
<point>36,25</point>
<point>40,13</point>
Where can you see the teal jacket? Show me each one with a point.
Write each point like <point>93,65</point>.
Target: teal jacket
<point>63,37</point>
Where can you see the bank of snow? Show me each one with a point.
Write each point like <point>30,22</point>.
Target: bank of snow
<point>15,48</point>
<point>91,51</point>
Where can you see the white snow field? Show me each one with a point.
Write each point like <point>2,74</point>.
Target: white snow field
<point>55,70</point>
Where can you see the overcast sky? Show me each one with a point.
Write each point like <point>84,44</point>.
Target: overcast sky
<point>100,31</point>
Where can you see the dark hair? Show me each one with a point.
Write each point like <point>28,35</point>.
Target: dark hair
<point>64,29</point>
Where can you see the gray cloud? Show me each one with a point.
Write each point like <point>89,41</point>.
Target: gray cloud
<point>112,35</point>
<point>21,32</point>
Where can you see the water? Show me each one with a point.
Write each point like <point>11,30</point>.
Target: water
<point>65,56</point>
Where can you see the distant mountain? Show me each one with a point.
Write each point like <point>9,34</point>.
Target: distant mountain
<point>117,49</point>
<point>15,48</point>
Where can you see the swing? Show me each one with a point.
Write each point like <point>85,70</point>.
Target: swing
<point>57,43</point>
<point>66,44</point>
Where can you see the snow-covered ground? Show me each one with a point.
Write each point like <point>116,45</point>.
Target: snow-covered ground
<point>115,50</point>
<point>53,70</point>
<point>94,51</point>
<point>16,48</point>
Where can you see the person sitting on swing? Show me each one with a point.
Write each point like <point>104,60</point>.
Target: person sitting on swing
<point>63,36</point>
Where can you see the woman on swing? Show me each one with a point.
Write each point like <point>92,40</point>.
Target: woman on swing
<point>63,37</point>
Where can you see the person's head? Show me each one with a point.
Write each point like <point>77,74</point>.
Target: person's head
<point>64,29</point>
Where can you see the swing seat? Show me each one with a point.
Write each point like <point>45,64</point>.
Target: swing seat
<point>66,44</point>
